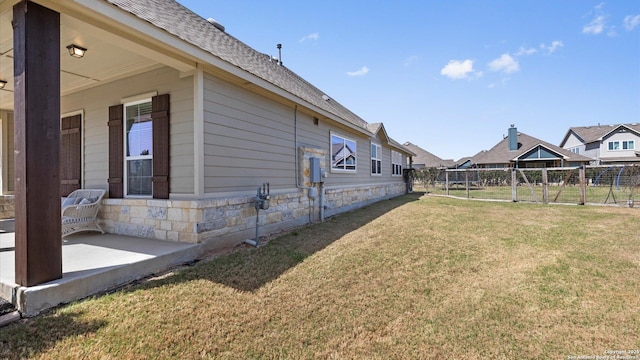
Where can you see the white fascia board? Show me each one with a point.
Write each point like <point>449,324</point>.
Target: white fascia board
<point>615,129</point>
<point>566,137</point>
<point>560,156</point>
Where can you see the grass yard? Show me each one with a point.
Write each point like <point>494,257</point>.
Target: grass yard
<point>564,195</point>
<point>409,278</point>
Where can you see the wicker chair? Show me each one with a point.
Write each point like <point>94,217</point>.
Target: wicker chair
<point>80,211</point>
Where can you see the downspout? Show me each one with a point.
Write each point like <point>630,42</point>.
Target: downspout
<point>295,141</point>
<point>322,201</point>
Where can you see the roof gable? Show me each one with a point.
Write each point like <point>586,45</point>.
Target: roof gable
<point>619,128</point>
<point>568,135</point>
<point>539,152</point>
<point>527,145</point>
<point>589,134</point>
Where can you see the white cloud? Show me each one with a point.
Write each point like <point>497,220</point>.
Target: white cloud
<point>630,22</point>
<point>524,51</point>
<point>596,26</point>
<point>505,64</point>
<point>313,36</point>
<point>363,71</point>
<point>456,69</point>
<point>553,47</point>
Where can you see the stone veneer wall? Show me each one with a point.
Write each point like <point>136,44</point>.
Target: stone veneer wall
<point>7,207</point>
<point>233,219</point>
<point>195,221</point>
<point>346,199</point>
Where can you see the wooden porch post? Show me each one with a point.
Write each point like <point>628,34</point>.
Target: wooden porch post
<point>36,43</point>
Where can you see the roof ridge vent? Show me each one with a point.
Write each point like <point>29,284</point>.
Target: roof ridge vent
<point>216,24</point>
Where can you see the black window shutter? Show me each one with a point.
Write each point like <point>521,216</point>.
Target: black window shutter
<point>116,152</point>
<point>70,158</point>
<point>160,118</point>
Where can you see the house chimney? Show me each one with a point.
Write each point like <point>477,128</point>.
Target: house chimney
<point>513,138</point>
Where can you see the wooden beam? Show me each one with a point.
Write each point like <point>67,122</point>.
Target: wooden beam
<point>36,42</point>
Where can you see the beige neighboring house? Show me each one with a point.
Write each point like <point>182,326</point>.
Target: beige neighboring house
<point>181,122</point>
<point>519,150</point>
<point>423,158</point>
<point>605,144</point>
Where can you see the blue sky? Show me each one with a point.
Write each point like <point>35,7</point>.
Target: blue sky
<point>451,76</point>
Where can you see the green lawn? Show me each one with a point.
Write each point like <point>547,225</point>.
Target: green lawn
<point>412,277</point>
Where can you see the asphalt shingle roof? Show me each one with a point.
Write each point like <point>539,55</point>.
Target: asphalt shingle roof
<point>194,29</point>
<point>590,134</point>
<point>427,158</point>
<point>500,153</point>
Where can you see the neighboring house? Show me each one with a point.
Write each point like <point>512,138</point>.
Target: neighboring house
<point>519,150</point>
<point>605,144</point>
<point>467,161</point>
<point>423,158</point>
<point>181,122</point>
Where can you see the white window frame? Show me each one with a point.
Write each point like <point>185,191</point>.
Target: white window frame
<point>613,146</point>
<point>343,168</point>
<point>376,170</point>
<point>137,157</point>
<point>626,143</point>
<point>396,163</point>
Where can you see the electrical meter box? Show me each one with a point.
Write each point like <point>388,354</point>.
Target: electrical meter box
<point>315,174</point>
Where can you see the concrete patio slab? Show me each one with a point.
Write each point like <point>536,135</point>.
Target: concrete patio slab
<point>91,263</point>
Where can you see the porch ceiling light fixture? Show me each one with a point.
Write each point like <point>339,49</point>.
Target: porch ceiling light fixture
<point>3,83</point>
<point>76,51</point>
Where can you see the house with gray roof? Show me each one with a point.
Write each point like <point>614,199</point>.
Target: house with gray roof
<point>423,158</point>
<point>605,144</point>
<point>178,120</point>
<point>519,150</point>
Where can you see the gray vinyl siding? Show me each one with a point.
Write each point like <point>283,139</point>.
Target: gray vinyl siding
<point>248,139</point>
<point>320,137</point>
<point>95,103</point>
<point>592,150</point>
